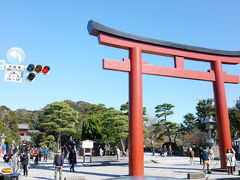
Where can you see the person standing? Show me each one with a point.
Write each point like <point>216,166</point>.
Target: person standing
<point>14,161</point>
<point>58,164</point>
<point>65,151</point>
<point>31,154</point>
<point>35,154</point>
<point>9,149</point>
<point>45,153</point>
<point>164,151</point>
<point>24,160</point>
<point>206,160</point>
<point>231,160</point>
<point>72,159</point>
<point>170,150</point>
<point>118,153</point>
<point>4,149</point>
<point>100,152</point>
<point>191,154</point>
<point>40,152</point>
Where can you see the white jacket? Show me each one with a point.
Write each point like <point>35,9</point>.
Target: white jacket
<point>231,159</point>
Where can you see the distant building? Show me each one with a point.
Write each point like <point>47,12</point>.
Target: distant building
<point>23,132</point>
<point>23,129</point>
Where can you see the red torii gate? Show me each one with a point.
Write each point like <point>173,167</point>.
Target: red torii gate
<point>136,45</point>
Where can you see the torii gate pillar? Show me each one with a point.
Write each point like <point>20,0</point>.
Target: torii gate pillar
<point>136,158</point>
<point>223,125</point>
<point>136,45</point>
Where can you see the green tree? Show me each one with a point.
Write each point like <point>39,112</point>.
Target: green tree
<point>97,109</point>
<point>125,108</point>
<point>234,118</point>
<point>92,124</point>
<point>115,128</point>
<point>92,127</point>
<point>60,120</point>
<point>24,116</point>
<point>169,129</point>
<point>33,118</point>
<point>50,142</point>
<point>164,110</point>
<point>165,127</point>
<point>189,123</point>
<point>205,108</point>
<point>9,124</point>
<point>83,108</point>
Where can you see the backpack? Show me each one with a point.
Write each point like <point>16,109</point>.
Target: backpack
<point>191,153</point>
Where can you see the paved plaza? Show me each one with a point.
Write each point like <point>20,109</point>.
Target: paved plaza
<point>107,167</point>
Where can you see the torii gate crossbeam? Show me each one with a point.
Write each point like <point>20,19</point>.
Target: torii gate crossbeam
<point>136,45</point>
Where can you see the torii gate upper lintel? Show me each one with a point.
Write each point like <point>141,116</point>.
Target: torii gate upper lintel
<point>136,67</point>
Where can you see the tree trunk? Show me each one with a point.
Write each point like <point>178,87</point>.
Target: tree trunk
<point>59,141</point>
<point>175,138</point>
<point>169,135</point>
<point>152,143</point>
<point>123,147</point>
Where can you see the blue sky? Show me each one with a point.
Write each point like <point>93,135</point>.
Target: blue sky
<point>55,33</point>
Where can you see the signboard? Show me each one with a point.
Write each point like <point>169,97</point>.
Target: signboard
<point>87,144</point>
<point>13,73</point>
<point>15,55</point>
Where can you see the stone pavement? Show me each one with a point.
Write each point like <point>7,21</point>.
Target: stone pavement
<point>108,167</point>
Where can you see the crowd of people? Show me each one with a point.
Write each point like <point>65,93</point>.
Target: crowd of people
<point>206,154</point>
<point>20,158</point>
<point>164,151</point>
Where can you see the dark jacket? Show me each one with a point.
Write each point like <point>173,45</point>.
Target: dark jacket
<point>72,157</point>
<point>58,160</point>
<point>24,159</point>
<point>205,155</point>
<point>200,152</point>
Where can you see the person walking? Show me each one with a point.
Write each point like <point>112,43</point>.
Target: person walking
<point>36,162</point>
<point>164,151</point>
<point>231,160</point>
<point>191,154</point>
<point>170,150</point>
<point>72,159</point>
<point>31,154</point>
<point>35,155</point>
<point>40,152</point>
<point>14,161</point>
<point>206,160</point>
<point>45,153</point>
<point>24,160</point>
<point>58,164</point>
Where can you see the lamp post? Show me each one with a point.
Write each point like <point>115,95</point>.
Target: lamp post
<point>210,126</point>
<point>211,141</point>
